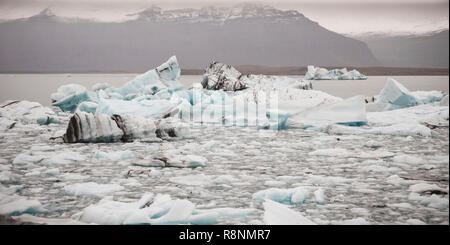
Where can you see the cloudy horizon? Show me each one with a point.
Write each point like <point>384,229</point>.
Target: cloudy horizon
<point>346,16</point>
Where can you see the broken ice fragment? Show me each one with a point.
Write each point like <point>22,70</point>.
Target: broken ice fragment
<point>317,73</point>
<point>279,214</point>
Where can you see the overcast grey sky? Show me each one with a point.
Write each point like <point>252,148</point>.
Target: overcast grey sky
<point>344,16</point>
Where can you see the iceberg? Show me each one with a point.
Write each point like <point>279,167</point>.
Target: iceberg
<point>155,82</point>
<point>396,96</point>
<point>86,127</point>
<point>393,96</point>
<point>317,73</point>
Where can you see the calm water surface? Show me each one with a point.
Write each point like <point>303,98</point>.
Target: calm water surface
<point>38,87</point>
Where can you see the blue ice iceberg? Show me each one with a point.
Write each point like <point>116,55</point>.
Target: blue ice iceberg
<point>395,96</point>
<point>69,96</point>
<point>160,82</point>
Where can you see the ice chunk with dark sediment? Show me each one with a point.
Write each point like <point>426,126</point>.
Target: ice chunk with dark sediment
<point>219,76</point>
<point>317,73</point>
<point>87,127</point>
<point>265,81</point>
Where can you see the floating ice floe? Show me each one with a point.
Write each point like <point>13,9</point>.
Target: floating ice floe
<point>7,177</point>
<point>92,189</point>
<point>155,210</point>
<point>296,195</point>
<point>115,155</point>
<point>13,205</point>
<point>279,214</point>
<point>425,187</point>
<point>351,112</point>
<point>25,112</point>
<point>317,73</point>
<point>47,221</point>
<point>401,129</point>
<point>171,160</point>
<point>356,221</point>
<point>433,201</point>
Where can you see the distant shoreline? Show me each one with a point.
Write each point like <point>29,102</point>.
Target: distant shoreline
<point>293,71</point>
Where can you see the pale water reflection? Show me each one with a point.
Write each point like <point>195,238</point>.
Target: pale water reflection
<point>38,87</point>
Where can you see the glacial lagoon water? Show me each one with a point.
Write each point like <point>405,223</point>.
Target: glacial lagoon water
<point>38,87</point>
<point>368,180</point>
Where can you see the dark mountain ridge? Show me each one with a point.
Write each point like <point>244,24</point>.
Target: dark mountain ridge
<point>243,34</point>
